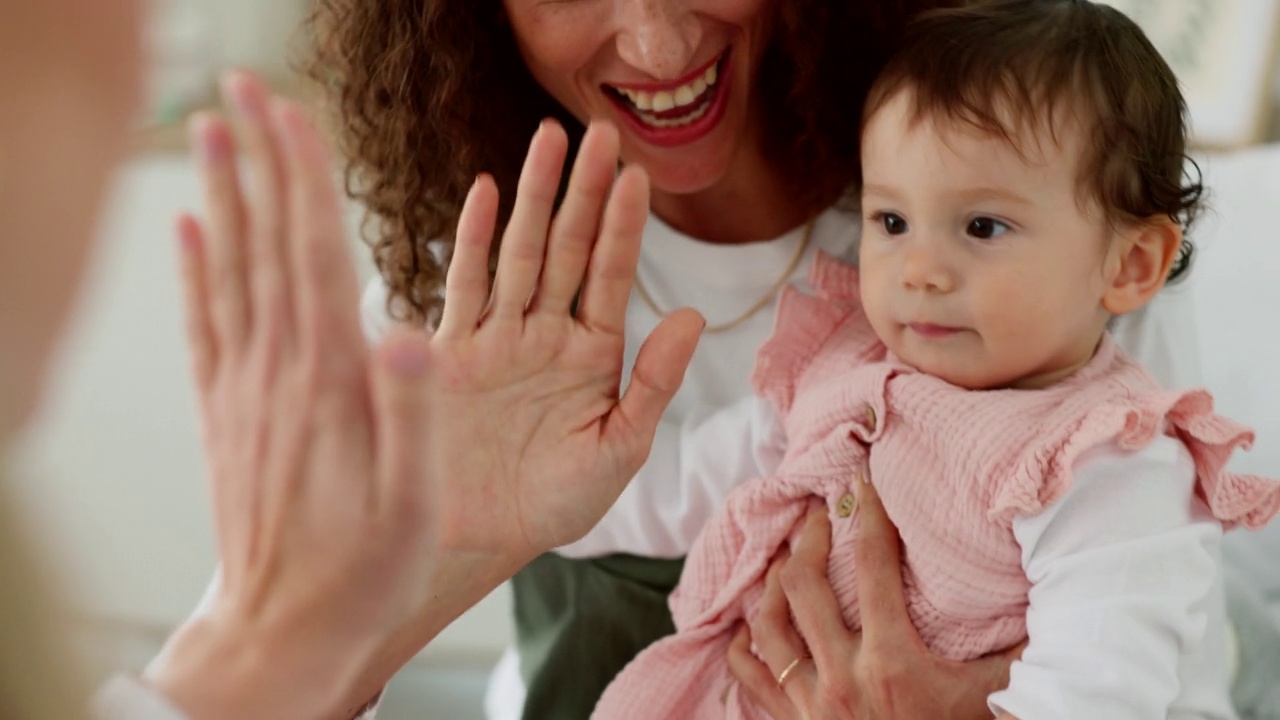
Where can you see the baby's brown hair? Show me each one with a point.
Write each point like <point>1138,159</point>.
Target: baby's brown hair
<point>1030,60</point>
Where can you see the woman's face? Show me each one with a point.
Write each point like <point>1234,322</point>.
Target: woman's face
<point>676,76</point>
<point>70,73</point>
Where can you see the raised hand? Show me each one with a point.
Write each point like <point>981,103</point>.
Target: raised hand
<point>364,499</point>
<point>324,525</point>
<point>537,443</point>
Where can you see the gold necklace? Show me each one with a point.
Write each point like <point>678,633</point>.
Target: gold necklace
<point>756,307</point>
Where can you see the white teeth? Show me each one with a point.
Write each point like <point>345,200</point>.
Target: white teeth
<point>675,122</point>
<point>664,100</point>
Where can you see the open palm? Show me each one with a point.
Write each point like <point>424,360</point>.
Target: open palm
<point>530,437</point>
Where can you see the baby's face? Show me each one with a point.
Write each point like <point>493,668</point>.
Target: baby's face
<point>980,265</point>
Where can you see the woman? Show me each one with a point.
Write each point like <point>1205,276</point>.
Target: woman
<point>332,532</point>
<point>273,646</point>
<point>744,113</point>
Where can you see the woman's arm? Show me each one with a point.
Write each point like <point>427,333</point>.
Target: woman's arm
<point>1122,570</point>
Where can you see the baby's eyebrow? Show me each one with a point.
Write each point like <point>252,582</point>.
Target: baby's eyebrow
<point>883,191</point>
<point>977,194</point>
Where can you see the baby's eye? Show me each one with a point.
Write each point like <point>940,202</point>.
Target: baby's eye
<point>893,223</point>
<point>985,228</point>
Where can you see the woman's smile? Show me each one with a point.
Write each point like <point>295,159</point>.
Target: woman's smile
<point>677,78</point>
<point>675,113</point>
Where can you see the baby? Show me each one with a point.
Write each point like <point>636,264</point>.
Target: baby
<point>1023,184</point>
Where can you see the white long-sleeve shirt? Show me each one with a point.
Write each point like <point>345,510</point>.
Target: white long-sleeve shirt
<point>1127,617</point>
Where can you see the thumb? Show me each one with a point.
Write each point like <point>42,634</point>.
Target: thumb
<point>657,375</point>
<point>399,390</point>
<point>881,597</point>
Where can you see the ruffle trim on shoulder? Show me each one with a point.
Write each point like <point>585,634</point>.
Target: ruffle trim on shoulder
<point>1233,498</point>
<point>802,325</point>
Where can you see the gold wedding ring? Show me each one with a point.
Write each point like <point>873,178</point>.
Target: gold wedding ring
<point>782,677</point>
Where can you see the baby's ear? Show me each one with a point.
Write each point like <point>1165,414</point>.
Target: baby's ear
<point>1138,263</point>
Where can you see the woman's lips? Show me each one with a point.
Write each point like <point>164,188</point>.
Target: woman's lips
<point>672,85</point>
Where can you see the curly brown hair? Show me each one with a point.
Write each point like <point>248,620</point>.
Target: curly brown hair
<point>429,93</point>
<point>1035,57</point>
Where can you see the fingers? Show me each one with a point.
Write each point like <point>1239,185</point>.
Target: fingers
<point>195,295</point>
<point>781,648</point>
<point>577,222</point>
<point>656,377</point>
<point>882,602</point>
<point>520,260</point>
<point>612,268</point>
<point>323,277</point>
<point>771,627</point>
<point>225,222</point>
<point>808,593</point>
<point>467,282</point>
<point>264,205</point>
<point>1014,653</point>
<point>755,680</point>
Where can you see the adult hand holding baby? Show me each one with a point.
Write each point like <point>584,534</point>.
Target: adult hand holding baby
<point>883,671</point>
<point>365,499</point>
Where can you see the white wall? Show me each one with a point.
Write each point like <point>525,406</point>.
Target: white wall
<point>113,470</point>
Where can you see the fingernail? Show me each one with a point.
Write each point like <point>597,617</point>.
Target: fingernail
<point>242,103</point>
<point>210,146</point>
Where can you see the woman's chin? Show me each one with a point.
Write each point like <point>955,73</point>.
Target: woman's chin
<point>682,181</point>
<point>681,171</point>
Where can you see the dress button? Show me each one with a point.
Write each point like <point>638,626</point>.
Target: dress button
<point>847,505</point>
<point>871,418</point>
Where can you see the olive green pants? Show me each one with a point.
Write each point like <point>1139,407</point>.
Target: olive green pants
<point>579,622</point>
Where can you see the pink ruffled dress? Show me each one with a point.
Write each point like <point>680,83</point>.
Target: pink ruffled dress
<point>953,467</point>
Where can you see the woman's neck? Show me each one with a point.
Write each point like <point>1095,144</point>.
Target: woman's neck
<point>752,202</point>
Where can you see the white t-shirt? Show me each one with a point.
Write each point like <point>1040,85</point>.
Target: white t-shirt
<point>704,448</point>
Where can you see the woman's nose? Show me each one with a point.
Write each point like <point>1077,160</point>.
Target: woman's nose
<point>657,37</point>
